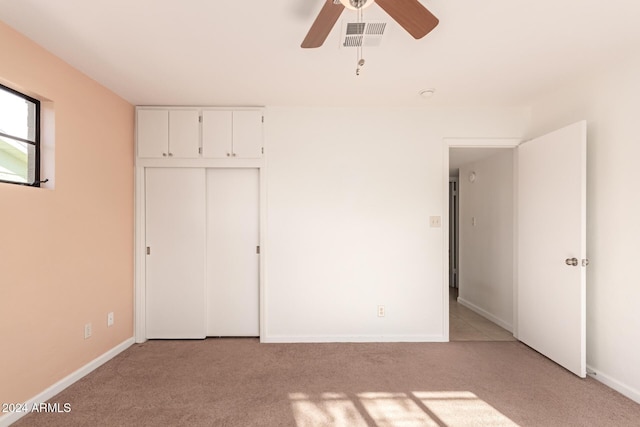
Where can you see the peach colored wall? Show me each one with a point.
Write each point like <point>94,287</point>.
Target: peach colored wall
<point>66,254</point>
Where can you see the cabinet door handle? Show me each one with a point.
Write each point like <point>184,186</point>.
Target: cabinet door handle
<point>228,154</point>
<point>234,154</point>
<point>164,154</point>
<point>170,154</point>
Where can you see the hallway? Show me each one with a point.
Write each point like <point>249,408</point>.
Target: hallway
<point>466,325</point>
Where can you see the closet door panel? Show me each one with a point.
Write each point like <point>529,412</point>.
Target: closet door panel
<point>175,237</point>
<point>232,261</point>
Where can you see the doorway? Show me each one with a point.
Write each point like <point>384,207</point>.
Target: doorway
<point>481,230</point>
<point>548,281</point>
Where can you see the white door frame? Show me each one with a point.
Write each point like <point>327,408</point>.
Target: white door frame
<point>452,142</point>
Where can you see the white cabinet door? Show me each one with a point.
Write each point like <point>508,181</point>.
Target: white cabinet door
<point>152,133</point>
<point>247,134</point>
<point>217,134</point>
<point>232,134</point>
<point>232,261</point>
<point>552,246</point>
<point>184,133</point>
<point>168,133</point>
<point>175,238</point>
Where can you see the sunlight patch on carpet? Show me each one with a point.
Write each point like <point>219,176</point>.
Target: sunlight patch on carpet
<point>380,409</point>
<point>462,408</point>
<point>395,409</point>
<point>327,409</point>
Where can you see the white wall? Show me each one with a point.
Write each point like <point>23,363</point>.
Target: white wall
<point>486,248</point>
<point>610,102</point>
<point>349,196</point>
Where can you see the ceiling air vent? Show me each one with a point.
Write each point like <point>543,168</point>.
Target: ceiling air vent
<point>367,34</point>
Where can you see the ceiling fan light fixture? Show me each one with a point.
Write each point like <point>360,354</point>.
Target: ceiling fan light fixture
<point>356,4</point>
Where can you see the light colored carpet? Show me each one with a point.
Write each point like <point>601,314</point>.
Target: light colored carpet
<point>240,382</point>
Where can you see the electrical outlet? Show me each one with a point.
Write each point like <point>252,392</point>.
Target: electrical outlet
<point>381,311</point>
<point>87,330</point>
<point>110,319</point>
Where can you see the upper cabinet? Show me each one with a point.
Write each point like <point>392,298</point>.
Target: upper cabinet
<point>168,133</point>
<point>184,134</point>
<point>152,127</point>
<point>189,133</point>
<point>232,134</point>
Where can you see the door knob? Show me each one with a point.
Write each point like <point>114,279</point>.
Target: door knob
<point>571,261</point>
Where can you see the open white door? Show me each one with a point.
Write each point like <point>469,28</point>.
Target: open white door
<point>552,246</point>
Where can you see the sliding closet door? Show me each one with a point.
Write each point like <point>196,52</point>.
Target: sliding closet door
<point>232,259</point>
<point>175,240</point>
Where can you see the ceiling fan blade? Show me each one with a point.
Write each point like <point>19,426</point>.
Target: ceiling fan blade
<point>323,24</point>
<point>411,15</point>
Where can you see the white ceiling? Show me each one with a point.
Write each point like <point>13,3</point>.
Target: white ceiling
<point>214,52</point>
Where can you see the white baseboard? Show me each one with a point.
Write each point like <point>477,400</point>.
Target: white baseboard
<point>486,314</point>
<point>618,386</point>
<point>47,394</point>
<point>350,338</point>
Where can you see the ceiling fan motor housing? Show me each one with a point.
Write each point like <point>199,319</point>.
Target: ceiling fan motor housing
<point>356,4</point>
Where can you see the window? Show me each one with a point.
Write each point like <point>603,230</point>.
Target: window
<point>19,138</point>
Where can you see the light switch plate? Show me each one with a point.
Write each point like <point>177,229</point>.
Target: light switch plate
<point>434,221</point>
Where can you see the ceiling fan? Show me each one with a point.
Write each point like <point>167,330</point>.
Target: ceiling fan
<point>410,14</point>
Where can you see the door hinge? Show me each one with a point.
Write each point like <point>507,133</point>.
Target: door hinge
<point>200,119</point>
<point>258,250</point>
<point>262,150</point>
<point>148,250</point>
<point>199,150</point>
<point>262,119</point>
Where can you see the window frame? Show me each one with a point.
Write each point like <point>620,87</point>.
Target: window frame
<point>35,143</point>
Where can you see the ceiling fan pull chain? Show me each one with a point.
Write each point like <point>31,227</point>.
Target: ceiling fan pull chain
<point>359,47</point>
<point>360,65</point>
